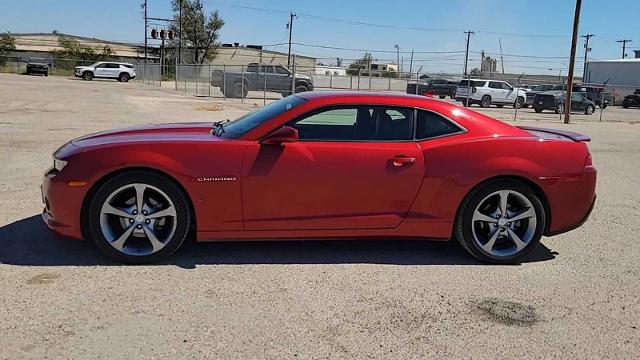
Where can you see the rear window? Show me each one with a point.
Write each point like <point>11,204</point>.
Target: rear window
<point>128,66</point>
<point>472,83</point>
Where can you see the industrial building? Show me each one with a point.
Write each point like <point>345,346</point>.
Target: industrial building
<point>622,76</point>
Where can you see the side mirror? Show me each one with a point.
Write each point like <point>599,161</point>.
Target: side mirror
<point>285,134</point>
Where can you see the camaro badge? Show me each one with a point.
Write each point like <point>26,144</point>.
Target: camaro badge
<point>217,178</point>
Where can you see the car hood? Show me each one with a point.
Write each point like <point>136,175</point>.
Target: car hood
<point>175,132</point>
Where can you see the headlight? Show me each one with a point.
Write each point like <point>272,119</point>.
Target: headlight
<point>59,164</point>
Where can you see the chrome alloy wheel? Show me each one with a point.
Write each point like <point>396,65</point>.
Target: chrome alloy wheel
<point>138,219</point>
<point>504,223</point>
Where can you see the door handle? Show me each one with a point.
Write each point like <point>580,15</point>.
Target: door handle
<point>400,161</point>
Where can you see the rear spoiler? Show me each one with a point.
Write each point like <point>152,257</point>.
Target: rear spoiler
<point>564,133</point>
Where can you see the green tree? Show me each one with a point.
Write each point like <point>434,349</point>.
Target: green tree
<point>362,64</point>
<point>7,44</point>
<point>200,32</point>
<point>80,53</point>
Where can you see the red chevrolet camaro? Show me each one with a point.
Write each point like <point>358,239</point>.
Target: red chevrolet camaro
<point>323,165</point>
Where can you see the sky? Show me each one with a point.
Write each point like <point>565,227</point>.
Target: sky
<point>535,34</point>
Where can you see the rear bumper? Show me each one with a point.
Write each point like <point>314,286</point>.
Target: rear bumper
<point>571,200</point>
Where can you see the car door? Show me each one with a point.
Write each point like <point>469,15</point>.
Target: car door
<point>578,102</point>
<point>496,91</point>
<point>354,167</point>
<point>101,70</point>
<point>283,77</point>
<point>509,92</point>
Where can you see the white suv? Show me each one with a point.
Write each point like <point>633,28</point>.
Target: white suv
<point>109,70</point>
<point>487,92</point>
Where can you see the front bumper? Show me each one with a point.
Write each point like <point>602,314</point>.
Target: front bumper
<point>62,205</point>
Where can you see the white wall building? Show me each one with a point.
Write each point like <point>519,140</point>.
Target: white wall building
<point>623,76</point>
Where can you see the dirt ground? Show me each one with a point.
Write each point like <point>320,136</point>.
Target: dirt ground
<point>576,297</point>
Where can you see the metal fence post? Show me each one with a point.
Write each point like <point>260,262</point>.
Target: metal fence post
<point>175,80</point>
<point>224,81</point>
<point>242,86</point>
<point>293,76</point>
<point>185,80</point>
<point>264,92</point>
<point>330,80</point>
<point>359,79</point>
<point>209,78</point>
<point>389,83</point>
<point>417,82</point>
<point>197,76</point>
<point>369,79</point>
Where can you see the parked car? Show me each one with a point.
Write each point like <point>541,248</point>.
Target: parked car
<point>631,100</point>
<point>487,92</point>
<point>531,94</point>
<point>437,87</point>
<point>594,93</point>
<point>260,77</point>
<point>36,67</point>
<point>555,100</point>
<point>323,165</point>
<point>123,72</point>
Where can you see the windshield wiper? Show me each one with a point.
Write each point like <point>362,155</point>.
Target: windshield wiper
<point>218,127</point>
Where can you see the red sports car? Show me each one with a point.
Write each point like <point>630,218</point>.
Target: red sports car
<point>323,165</point>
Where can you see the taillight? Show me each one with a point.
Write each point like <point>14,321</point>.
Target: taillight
<point>589,161</point>
<point>473,89</point>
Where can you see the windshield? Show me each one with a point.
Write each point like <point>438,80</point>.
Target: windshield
<point>542,87</point>
<point>250,121</point>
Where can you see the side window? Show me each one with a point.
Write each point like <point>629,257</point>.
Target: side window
<point>101,66</point>
<point>266,69</point>
<point>506,86</point>
<point>359,123</point>
<point>576,97</point>
<point>429,125</point>
<point>281,70</point>
<point>495,85</point>
<point>252,68</point>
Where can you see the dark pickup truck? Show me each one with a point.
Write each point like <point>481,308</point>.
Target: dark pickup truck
<point>35,67</point>
<point>259,77</point>
<point>438,87</point>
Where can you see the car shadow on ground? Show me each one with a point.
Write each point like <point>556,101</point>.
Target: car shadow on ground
<point>28,242</point>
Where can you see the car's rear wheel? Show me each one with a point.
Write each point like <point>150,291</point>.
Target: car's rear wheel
<point>626,103</point>
<point>485,101</point>
<point>239,90</point>
<point>500,222</point>
<point>441,96</point>
<point>560,109</point>
<point>301,88</point>
<point>500,106</point>
<point>590,109</point>
<point>537,109</point>
<point>139,217</point>
<point>87,75</point>
<point>124,77</point>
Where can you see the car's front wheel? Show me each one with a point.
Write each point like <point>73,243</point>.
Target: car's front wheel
<point>87,75</point>
<point>139,217</point>
<point>590,109</point>
<point>485,101</point>
<point>124,77</point>
<point>500,222</point>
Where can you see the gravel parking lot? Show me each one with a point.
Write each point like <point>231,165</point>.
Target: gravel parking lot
<point>576,297</point>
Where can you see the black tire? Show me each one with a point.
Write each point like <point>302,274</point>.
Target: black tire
<point>603,106</point>
<point>463,226</point>
<point>441,96</point>
<point>537,109</point>
<point>301,88</point>
<point>525,106</point>
<point>239,90</point>
<point>500,106</point>
<point>626,103</point>
<point>485,102</point>
<point>87,75</point>
<point>560,109</point>
<point>123,77</point>
<point>172,190</point>
<point>590,109</point>
<point>518,103</point>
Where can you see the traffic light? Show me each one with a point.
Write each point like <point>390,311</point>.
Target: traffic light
<point>154,33</point>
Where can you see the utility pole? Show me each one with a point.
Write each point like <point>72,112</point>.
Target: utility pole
<point>624,46</point>
<point>501,59</point>
<point>145,31</point>
<point>586,51</point>
<point>466,56</point>
<point>179,31</point>
<point>397,58</point>
<point>572,62</point>
<point>411,63</point>
<point>290,25</point>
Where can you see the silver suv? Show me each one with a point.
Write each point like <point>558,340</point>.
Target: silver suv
<point>487,92</point>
